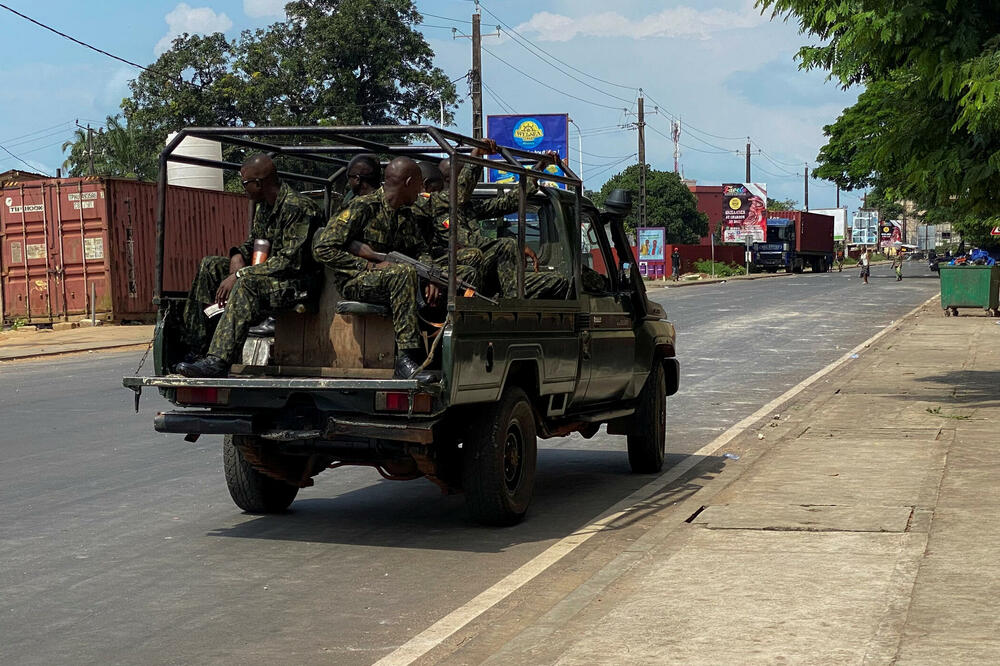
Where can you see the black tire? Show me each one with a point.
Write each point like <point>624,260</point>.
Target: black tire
<point>647,443</point>
<point>499,456</point>
<point>252,490</point>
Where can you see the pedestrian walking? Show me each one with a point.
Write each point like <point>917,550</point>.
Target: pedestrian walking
<point>840,261</point>
<point>897,265</point>
<point>675,264</point>
<point>865,263</point>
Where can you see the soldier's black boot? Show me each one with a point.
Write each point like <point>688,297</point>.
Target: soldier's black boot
<point>407,367</point>
<point>265,329</point>
<point>210,366</point>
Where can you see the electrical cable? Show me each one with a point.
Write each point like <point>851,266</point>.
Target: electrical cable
<point>446,18</point>
<point>39,131</point>
<point>101,51</point>
<point>496,97</point>
<point>20,159</point>
<point>606,169</point>
<point>591,76</point>
<point>541,83</point>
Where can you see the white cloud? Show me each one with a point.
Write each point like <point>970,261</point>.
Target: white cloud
<point>261,8</point>
<point>192,20</point>
<point>674,22</point>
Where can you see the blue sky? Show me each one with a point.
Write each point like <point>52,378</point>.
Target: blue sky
<point>718,65</point>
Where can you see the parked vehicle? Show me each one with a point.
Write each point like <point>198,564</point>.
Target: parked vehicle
<point>320,394</point>
<point>795,239</point>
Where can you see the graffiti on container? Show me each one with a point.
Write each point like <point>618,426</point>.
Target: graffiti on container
<point>93,248</point>
<point>15,252</point>
<point>35,251</point>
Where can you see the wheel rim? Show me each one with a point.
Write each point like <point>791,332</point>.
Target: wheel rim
<point>513,457</point>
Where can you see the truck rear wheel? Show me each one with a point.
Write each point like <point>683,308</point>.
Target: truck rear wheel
<point>252,490</point>
<point>499,457</point>
<point>647,442</point>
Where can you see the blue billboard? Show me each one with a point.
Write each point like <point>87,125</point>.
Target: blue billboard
<point>537,133</point>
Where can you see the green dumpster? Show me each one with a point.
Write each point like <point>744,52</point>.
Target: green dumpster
<point>970,287</point>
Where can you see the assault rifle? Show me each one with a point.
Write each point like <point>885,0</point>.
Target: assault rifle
<point>429,272</point>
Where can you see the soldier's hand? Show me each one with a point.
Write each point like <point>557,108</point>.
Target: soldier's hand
<point>553,157</point>
<point>222,293</point>
<point>530,254</point>
<point>431,293</point>
<point>491,148</point>
<point>382,264</point>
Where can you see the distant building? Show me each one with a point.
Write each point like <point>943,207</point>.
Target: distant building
<point>15,176</point>
<point>710,203</point>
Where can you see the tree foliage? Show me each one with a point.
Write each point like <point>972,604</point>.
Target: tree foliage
<point>332,62</point>
<point>669,204</point>
<point>927,126</point>
<point>782,204</point>
<point>117,152</point>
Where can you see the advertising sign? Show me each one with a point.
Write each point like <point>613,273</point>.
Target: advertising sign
<point>865,227</point>
<point>537,133</point>
<point>744,212</point>
<point>890,232</point>
<point>651,243</point>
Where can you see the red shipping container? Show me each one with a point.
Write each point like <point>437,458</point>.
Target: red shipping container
<point>814,230</point>
<point>62,238</point>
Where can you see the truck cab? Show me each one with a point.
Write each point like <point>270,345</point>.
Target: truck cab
<point>320,393</point>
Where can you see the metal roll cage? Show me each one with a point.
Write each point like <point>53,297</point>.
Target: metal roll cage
<point>339,141</point>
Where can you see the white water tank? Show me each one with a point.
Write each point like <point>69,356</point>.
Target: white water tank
<point>189,175</point>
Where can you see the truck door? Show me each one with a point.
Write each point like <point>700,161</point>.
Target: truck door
<point>608,338</point>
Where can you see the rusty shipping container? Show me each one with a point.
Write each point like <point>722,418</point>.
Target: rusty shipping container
<point>62,239</point>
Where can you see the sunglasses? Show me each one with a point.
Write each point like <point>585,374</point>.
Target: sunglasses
<point>252,180</point>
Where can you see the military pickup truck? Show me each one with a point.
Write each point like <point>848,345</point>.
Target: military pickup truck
<point>320,394</point>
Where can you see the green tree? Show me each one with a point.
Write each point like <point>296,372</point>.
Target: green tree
<point>117,151</point>
<point>782,204</point>
<point>332,62</point>
<point>927,126</point>
<point>669,203</point>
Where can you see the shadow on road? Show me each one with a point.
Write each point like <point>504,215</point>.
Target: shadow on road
<point>572,488</point>
<point>977,388</point>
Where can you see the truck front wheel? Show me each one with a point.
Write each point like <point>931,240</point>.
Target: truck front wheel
<point>647,442</point>
<point>499,457</point>
<point>252,490</point>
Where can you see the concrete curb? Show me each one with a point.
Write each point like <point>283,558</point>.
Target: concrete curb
<point>81,350</point>
<point>690,283</point>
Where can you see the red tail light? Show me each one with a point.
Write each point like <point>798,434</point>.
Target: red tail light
<point>399,401</point>
<point>202,395</point>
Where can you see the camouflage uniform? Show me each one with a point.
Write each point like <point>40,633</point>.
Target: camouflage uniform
<point>497,257</point>
<point>271,285</point>
<point>370,220</point>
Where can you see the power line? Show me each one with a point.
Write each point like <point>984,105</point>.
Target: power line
<point>611,166</point>
<point>564,72</point>
<point>541,83</point>
<point>94,48</point>
<point>39,131</point>
<point>446,18</point>
<point>602,157</point>
<point>591,76</point>
<point>499,100</point>
<point>20,159</point>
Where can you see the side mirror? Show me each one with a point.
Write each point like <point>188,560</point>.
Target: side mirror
<point>619,203</point>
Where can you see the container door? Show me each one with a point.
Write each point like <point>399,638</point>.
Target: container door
<point>82,232</point>
<point>26,278</point>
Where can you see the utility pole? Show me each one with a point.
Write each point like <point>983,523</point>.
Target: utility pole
<point>476,73</point>
<point>748,161</point>
<point>805,180</point>
<point>641,124</point>
<point>675,133</point>
<point>477,77</point>
<point>838,196</point>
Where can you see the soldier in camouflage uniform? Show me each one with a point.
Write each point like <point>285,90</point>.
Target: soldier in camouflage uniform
<point>494,258</point>
<point>380,222</point>
<point>287,220</point>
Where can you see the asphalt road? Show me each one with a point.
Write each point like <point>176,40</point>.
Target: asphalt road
<point>120,545</point>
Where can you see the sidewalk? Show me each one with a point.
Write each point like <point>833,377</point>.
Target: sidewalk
<point>861,525</point>
<point>20,344</point>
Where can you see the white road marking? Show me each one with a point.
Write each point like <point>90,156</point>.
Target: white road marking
<point>438,632</point>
